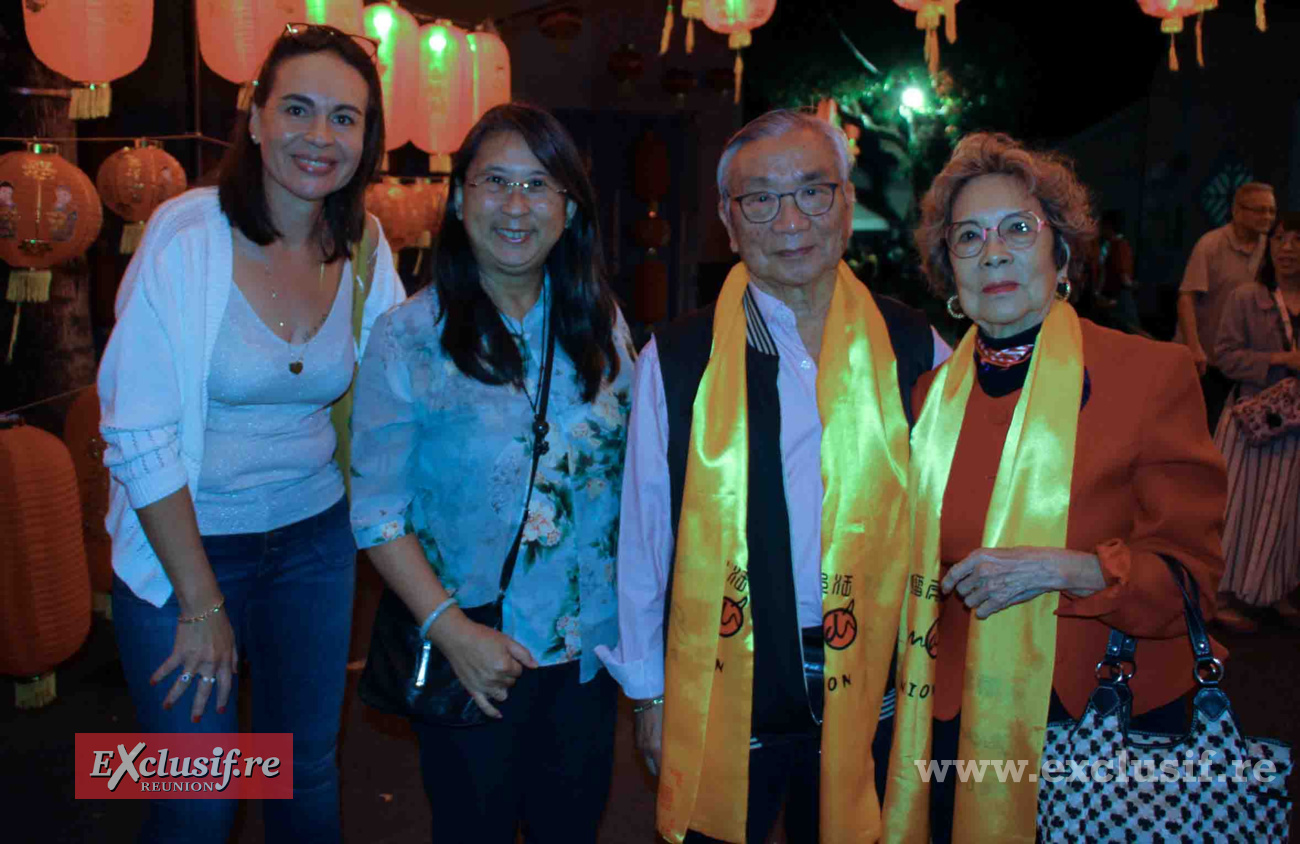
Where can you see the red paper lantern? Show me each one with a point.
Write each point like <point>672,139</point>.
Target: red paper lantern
<point>86,446</point>
<point>236,35</point>
<point>44,583</point>
<point>929,14</point>
<point>134,181</point>
<point>736,19</point>
<point>444,91</point>
<point>402,219</point>
<point>397,33</point>
<point>49,213</point>
<point>626,66</point>
<point>561,24</point>
<point>491,72</point>
<point>1171,14</point>
<point>678,82</point>
<point>92,42</point>
<point>346,15</point>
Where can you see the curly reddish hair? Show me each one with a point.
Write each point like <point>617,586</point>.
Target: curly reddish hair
<point>1047,176</point>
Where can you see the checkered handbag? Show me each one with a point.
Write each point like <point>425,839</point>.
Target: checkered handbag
<point>1103,782</point>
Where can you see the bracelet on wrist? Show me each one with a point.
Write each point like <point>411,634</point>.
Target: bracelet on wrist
<point>195,619</point>
<point>648,705</point>
<point>433,616</point>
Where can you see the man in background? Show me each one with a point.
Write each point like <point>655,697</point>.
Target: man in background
<point>1221,260</point>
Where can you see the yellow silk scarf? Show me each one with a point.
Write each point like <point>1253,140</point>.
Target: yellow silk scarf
<point>709,664</point>
<point>1010,655</point>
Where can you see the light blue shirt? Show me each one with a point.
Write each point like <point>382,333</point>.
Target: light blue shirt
<point>446,457</point>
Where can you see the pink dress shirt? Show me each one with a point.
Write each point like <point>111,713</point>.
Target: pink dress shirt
<point>645,541</point>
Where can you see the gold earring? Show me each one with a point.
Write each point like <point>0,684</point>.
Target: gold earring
<point>1064,296</point>
<point>954,309</point>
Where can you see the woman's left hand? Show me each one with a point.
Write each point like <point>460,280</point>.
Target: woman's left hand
<point>991,579</point>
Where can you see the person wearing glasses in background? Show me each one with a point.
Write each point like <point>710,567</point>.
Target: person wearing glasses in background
<point>442,451</point>
<point>239,324</point>
<point>766,500</point>
<point>1222,260</point>
<point>1054,463</point>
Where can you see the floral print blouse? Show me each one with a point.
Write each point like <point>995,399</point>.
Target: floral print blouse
<point>446,457</point>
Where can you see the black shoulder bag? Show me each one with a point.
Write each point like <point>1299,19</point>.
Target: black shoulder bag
<point>405,674</point>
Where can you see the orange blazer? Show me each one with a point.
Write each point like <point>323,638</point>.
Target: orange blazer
<point>1147,481</point>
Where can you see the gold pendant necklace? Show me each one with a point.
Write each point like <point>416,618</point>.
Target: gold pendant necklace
<point>295,366</point>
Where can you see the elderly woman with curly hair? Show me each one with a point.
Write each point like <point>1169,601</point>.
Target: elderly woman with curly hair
<point>1056,467</point>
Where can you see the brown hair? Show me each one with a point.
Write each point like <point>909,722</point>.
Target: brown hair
<point>1047,176</point>
<point>243,198</point>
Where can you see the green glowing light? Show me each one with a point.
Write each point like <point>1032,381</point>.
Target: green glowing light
<point>383,23</point>
<point>914,98</point>
<point>437,41</point>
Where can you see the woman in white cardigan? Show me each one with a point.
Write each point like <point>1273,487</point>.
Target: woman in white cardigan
<point>240,322</point>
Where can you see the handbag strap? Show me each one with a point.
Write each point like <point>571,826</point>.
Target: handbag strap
<point>1121,647</point>
<point>540,428</point>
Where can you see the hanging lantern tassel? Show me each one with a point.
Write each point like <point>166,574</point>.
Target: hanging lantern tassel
<point>91,101</point>
<point>739,41</point>
<point>1261,22</point>
<point>1200,52</point>
<point>1173,55</point>
<point>245,101</point>
<point>131,236</point>
<point>928,20</point>
<point>950,30</point>
<point>668,30</point>
<point>29,285</point>
<point>690,36</point>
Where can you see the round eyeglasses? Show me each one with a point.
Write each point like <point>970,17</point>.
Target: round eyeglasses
<point>764,206</point>
<point>1018,231</point>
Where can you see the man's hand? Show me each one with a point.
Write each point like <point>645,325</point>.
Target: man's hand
<point>991,579</point>
<point>650,735</point>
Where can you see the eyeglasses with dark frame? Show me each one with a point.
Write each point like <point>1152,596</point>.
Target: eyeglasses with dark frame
<point>1018,230</point>
<point>365,42</point>
<point>764,206</point>
<point>537,189</point>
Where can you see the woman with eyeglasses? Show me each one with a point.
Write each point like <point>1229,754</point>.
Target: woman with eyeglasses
<point>239,324</point>
<point>518,323</point>
<point>1256,346</point>
<point>1054,463</point>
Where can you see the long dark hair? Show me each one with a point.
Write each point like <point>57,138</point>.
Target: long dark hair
<point>1286,221</point>
<point>240,185</point>
<point>582,305</point>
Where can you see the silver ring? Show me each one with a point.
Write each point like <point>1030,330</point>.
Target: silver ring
<point>208,679</point>
<point>185,677</point>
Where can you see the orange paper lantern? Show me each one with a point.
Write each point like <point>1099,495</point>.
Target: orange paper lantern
<point>929,14</point>
<point>444,91</point>
<point>1171,14</point>
<point>86,446</point>
<point>346,15</point>
<point>736,19</point>
<point>430,199</point>
<point>49,213</point>
<point>44,583</point>
<point>236,35</point>
<point>397,32</point>
<point>134,181</point>
<point>403,220</point>
<point>491,72</point>
<point>92,42</point>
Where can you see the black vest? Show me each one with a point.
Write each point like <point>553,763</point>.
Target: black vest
<point>781,702</point>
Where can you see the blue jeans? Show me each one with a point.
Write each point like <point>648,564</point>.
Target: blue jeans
<point>289,598</point>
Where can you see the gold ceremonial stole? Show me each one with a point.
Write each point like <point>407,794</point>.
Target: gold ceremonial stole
<point>709,664</point>
<point>1011,654</point>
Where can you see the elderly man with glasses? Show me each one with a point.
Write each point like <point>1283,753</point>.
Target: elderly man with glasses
<point>1222,259</point>
<point>763,544</point>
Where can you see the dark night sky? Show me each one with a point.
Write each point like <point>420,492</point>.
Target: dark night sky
<point>1079,60</point>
